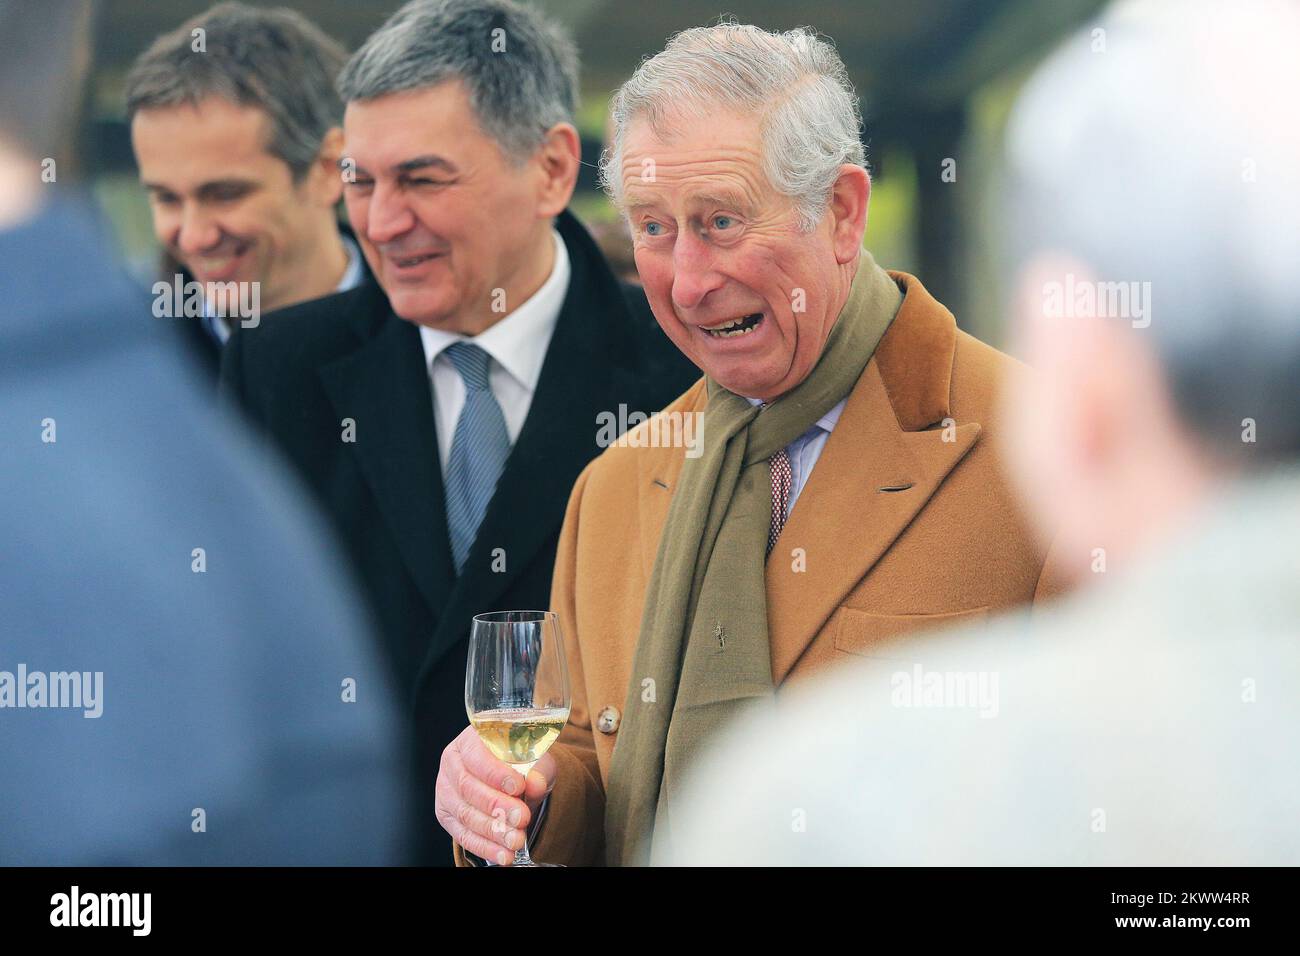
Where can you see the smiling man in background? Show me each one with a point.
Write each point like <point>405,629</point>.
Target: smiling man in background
<point>690,589</point>
<point>235,126</point>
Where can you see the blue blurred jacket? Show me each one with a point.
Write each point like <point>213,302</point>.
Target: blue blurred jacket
<point>222,690</point>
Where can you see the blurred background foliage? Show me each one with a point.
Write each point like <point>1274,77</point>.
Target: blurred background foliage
<point>936,79</point>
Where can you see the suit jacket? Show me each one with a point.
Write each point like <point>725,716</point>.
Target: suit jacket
<point>906,523</point>
<point>201,347</point>
<point>222,681</point>
<point>302,372</point>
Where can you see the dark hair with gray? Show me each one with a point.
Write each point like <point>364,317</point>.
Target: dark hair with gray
<point>41,47</point>
<point>274,60</point>
<point>519,70</point>
<point>1173,158</point>
<point>794,81</point>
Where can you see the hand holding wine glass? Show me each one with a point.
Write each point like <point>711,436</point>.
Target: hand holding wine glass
<point>517,698</point>
<point>483,802</point>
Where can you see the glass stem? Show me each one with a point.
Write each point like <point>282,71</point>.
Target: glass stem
<point>522,857</point>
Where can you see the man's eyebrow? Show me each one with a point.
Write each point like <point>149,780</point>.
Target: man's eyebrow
<point>407,166</point>
<point>424,162</point>
<point>217,184</point>
<point>210,186</point>
<point>631,205</point>
<point>728,200</point>
<point>722,198</point>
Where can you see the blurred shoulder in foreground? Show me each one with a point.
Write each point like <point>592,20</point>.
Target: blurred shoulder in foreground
<point>185,678</point>
<point>1148,723</point>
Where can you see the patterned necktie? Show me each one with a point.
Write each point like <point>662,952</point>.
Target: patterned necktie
<point>782,478</point>
<point>479,449</point>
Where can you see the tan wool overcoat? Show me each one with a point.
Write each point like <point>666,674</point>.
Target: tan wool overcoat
<point>907,523</point>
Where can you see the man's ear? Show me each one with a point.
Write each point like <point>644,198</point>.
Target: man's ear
<point>557,160</point>
<point>848,211</point>
<point>325,179</point>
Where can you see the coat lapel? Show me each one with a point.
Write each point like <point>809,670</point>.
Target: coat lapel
<point>869,483</point>
<point>878,469</point>
<point>657,472</point>
<point>384,387</point>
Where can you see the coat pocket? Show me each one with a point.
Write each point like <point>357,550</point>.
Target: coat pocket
<point>865,633</point>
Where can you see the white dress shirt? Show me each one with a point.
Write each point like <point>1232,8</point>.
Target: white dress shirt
<point>517,346</point>
<point>807,448</point>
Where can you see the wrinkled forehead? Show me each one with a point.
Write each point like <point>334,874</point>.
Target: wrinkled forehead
<point>689,158</point>
<point>393,128</point>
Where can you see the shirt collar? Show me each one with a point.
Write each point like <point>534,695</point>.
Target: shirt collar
<point>518,342</point>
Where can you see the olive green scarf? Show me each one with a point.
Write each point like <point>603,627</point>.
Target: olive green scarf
<point>707,596</point>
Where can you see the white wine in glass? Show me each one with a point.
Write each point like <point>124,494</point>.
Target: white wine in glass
<point>520,736</point>
<point>517,689</point>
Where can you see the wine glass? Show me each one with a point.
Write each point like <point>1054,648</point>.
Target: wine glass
<point>517,689</point>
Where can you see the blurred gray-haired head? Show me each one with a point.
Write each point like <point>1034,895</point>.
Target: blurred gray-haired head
<point>44,49</point>
<point>795,81</point>
<point>1165,150</point>
<point>519,70</point>
<point>275,60</point>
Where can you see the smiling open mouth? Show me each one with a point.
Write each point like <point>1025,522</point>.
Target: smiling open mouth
<point>407,262</point>
<point>218,263</point>
<point>734,327</point>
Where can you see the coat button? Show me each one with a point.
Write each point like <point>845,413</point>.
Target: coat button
<point>607,721</point>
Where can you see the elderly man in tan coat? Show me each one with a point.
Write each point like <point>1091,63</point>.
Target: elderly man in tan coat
<point>689,584</point>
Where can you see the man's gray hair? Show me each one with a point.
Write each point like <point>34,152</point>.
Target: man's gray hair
<point>274,60</point>
<point>519,70</point>
<point>1171,155</point>
<point>794,81</point>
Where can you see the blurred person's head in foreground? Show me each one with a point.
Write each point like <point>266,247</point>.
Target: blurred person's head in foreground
<point>1155,198</point>
<point>737,160</point>
<point>234,122</point>
<point>459,120</point>
<point>44,53</point>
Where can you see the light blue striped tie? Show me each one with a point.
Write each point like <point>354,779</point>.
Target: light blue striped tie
<point>479,450</point>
